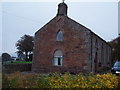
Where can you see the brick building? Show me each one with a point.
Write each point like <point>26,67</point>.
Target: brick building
<point>64,45</point>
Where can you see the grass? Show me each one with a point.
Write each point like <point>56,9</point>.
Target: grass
<point>19,62</point>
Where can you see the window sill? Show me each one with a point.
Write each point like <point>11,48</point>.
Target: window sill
<point>59,41</point>
<point>57,65</point>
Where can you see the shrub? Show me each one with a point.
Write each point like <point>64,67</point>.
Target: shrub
<point>55,80</point>
<point>42,81</point>
<point>5,81</point>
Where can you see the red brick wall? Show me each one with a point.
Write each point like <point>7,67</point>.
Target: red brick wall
<point>75,47</point>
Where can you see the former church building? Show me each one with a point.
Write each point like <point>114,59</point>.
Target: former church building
<point>64,45</point>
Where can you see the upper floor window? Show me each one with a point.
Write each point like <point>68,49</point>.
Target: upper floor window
<point>59,36</point>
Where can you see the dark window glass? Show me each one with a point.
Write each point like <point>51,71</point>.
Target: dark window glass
<point>59,61</point>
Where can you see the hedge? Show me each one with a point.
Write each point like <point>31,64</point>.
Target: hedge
<point>55,80</point>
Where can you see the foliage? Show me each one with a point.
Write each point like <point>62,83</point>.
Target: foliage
<point>0,58</point>
<point>5,81</point>
<point>25,44</point>
<point>115,44</point>
<point>6,57</point>
<point>19,53</point>
<point>55,80</point>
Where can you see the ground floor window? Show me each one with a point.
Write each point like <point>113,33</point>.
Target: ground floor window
<point>58,61</point>
<point>58,58</point>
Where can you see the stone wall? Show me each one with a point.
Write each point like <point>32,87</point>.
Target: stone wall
<point>74,47</point>
<point>10,68</point>
<point>101,54</point>
<point>83,51</point>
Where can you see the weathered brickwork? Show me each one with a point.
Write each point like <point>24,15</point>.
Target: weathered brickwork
<point>73,46</point>
<point>78,47</point>
<point>101,53</point>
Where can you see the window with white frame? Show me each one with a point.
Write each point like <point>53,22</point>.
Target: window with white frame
<point>58,58</point>
<point>59,36</point>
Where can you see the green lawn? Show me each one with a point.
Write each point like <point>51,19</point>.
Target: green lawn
<point>19,62</point>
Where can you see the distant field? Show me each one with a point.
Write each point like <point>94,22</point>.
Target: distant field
<point>19,62</point>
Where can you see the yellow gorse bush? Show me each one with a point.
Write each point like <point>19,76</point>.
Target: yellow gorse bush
<point>109,80</point>
<point>55,80</point>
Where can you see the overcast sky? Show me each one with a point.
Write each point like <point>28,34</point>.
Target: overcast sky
<point>20,18</point>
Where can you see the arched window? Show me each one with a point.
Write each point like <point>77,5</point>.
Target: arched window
<point>58,58</point>
<point>59,36</point>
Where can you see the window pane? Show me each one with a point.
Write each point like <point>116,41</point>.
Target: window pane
<point>60,36</point>
<point>58,53</point>
<point>61,61</point>
<point>55,61</point>
<point>58,58</point>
